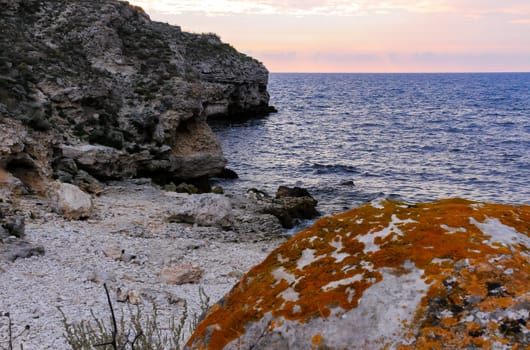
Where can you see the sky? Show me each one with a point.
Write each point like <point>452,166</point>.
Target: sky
<point>363,35</point>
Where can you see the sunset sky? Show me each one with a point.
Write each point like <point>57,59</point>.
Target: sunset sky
<point>363,35</point>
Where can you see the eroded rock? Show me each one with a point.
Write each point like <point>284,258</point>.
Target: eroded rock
<point>70,201</point>
<point>447,274</point>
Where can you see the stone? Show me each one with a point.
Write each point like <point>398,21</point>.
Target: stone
<point>284,191</point>
<point>113,253</point>
<point>118,254</point>
<point>131,296</point>
<point>290,209</point>
<point>87,183</point>
<point>14,225</point>
<point>13,249</point>
<point>181,274</point>
<point>101,161</point>
<point>204,210</point>
<point>3,233</point>
<point>70,201</point>
<point>289,205</point>
<point>451,274</point>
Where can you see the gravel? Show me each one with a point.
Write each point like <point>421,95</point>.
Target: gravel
<point>131,217</point>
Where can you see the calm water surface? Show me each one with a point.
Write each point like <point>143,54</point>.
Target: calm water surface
<point>351,138</point>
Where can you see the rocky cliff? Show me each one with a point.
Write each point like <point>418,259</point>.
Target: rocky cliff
<point>451,274</point>
<point>95,89</point>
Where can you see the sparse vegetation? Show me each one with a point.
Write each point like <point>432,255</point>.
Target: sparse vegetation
<point>135,331</point>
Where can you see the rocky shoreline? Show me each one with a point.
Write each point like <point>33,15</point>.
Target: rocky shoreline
<point>95,92</point>
<point>128,241</point>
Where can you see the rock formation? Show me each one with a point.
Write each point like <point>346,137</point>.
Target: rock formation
<point>289,205</point>
<point>451,274</point>
<point>96,90</point>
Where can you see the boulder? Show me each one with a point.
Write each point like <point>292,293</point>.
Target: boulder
<point>284,191</point>
<point>70,201</point>
<point>204,210</point>
<point>101,161</point>
<point>289,205</point>
<point>451,274</point>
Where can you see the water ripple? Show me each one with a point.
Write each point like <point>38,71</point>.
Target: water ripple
<point>412,136</point>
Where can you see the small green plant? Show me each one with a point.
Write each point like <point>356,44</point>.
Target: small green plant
<point>139,332</point>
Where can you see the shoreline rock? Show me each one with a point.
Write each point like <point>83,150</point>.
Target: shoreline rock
<point>289,205</point>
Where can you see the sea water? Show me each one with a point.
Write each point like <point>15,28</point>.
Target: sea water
<point>351,138</point>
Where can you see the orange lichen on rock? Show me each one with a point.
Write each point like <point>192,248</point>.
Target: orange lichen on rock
<point>468,262</point>
<point>317,339</point>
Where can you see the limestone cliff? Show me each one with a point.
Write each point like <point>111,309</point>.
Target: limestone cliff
<point>97,89</point>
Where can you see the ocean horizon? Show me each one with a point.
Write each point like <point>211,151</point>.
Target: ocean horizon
<point>448,72</point>
<point>353,137</point>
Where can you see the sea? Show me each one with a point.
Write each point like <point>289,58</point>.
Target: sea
<point>353,138</point>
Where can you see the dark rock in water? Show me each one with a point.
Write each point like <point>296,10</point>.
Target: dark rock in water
<point>289,206</point>
<point>347,183</point>
<point>284,191</point>
<point>227,174</point>
<point>451,274</point>
<point>289,210</point>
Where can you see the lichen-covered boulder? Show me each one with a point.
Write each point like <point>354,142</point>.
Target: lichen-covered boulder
<point>451,274</point>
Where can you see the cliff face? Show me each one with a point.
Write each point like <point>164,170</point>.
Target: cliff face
<point>96,88</point>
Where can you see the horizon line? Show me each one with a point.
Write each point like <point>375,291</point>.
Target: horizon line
<point>405,72</point>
